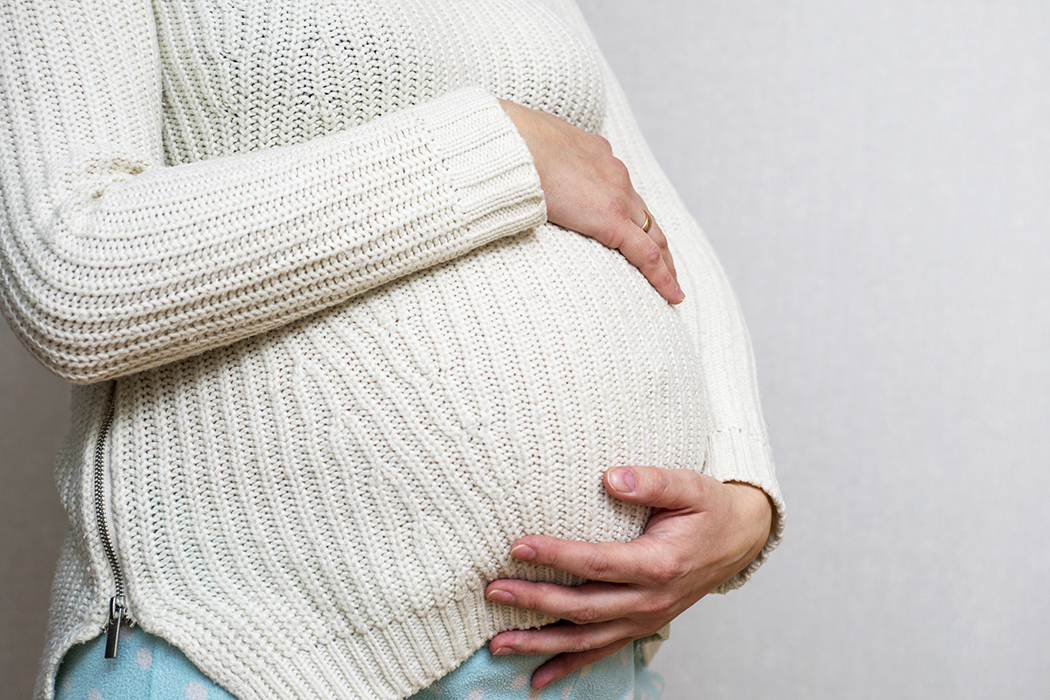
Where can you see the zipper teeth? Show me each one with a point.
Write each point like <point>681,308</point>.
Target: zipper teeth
<point>100,495</point>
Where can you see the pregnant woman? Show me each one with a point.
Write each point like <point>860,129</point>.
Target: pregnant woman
<point>379,351</point>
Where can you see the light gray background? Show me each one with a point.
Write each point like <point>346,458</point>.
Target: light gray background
<point>876,177</point>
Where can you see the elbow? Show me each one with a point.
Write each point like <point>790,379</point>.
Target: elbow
<point>72,327</point>
<point>58,290</point>
<point>79,355</point>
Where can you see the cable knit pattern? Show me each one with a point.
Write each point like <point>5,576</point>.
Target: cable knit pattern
<point>349,361</point>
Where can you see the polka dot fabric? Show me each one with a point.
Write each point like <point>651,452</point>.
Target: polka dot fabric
<point>149,668</point>
<point>483,676</point>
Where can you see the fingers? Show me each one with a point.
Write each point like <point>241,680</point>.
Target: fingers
<point>657,236</point>
<point>564,664</point>
<point>612,562</point>
<point>651,258</point>
<point>557,639</point>
<point>582,605</point>
<point>671,489</point>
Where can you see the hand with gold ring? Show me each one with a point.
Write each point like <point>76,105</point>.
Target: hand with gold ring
<point>650,228</point>
<point>589,190</point>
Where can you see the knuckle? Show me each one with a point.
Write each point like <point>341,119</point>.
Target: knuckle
<point>526,598</point>
<point>661,483</point>
<point>618,175</point>
<point>652,254</point>
<point>614,240</point>
<point>550,557</point>
<point>666,571</point>
<point>585,615</point>
<point>659,604</point>
<point>597,564</point>
<point>616,206</point>
<point>582,642</point>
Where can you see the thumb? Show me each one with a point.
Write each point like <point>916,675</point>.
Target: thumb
<point>671,489</point>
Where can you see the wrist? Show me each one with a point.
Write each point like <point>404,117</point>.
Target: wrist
<point>753,510</point>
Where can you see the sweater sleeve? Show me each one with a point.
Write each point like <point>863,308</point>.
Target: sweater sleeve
<point>738,445</point>
<point>112,262</point>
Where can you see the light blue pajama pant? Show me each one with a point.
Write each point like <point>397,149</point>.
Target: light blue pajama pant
<point>148,668</point>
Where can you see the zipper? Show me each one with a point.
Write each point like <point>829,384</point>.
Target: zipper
<point>118,609</point>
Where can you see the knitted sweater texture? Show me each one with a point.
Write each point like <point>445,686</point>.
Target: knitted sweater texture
<point>300,253</point>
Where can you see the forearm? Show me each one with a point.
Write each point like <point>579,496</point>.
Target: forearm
<point>113,262</point>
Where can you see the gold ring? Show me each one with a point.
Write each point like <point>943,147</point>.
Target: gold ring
<point>648,223</point>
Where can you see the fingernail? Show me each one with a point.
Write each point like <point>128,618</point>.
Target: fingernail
<point>503,651</point>
<point>679,294</point>
<point>500,596</point>
<point>523,552</point>
<point>622,480</point>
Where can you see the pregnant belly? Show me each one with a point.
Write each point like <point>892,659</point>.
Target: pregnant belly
<point>402,441</point>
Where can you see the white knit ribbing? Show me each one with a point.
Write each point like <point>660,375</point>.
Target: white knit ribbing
<point>113,264</point>
<point>738,444</point>
<point>325,440</point>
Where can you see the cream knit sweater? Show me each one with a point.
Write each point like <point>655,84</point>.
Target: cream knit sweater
<point>299,251</point>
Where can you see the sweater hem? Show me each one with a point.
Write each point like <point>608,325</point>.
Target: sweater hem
<point>388,663</point>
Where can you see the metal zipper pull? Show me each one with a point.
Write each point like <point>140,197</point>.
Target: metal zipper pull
<point>116,619</point>
<point>118,607</point>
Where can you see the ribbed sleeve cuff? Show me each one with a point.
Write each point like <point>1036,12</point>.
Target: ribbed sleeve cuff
<point>175,261</point>
<point>734,455</point>
<point>497,186</point>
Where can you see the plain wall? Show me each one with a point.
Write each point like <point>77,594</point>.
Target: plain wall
<point>876,178</point>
